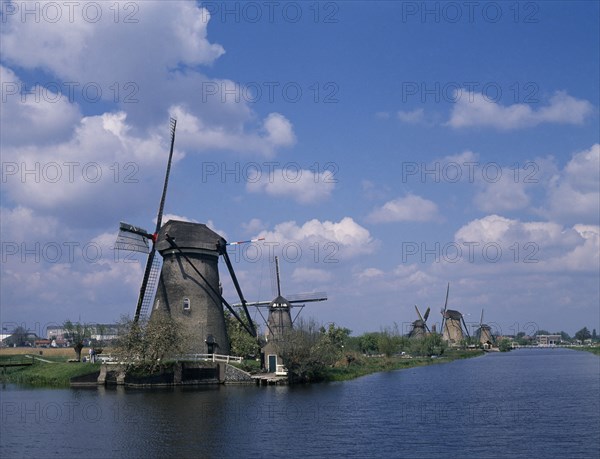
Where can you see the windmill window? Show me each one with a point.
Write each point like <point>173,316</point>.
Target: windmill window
<point>186,304</point>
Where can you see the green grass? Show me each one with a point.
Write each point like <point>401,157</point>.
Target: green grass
<point>368,365</point>
<point>593,350</point>
<point>47,374</point>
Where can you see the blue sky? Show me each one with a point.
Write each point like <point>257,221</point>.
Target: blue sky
<point>400,146</point>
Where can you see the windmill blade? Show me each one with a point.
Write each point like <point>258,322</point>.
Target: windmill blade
<point>150,276</point>
<point>131,242</point>
<point>236,284</point>
<point>161,206</point>
<point>465,325</point>
<point>427,314</point>
<point>445,307</point>
<point>481,320</point>
<point>419,313</point>
<point>277,276</point>
<point>307,297</point>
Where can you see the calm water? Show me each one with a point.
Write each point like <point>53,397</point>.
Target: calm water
<point>526,403</point>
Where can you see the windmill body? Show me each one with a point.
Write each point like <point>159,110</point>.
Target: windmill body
<point>188,297</point>
<point>484,333</point>
<point>452,331</point>
<point>419,326</point>
<point>279,321</point>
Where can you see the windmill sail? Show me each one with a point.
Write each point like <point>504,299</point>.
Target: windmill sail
<point>135,239</point>
<point>150,290</point>
<point>131,239</point>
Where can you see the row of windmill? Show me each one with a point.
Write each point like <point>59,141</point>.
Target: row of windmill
<point>454,329</point>
<point>186,286</point>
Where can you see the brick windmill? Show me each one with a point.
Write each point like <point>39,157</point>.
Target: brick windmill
<point>452,324</point>
<point>419,326</point>
<point>484,334</point>
<point>279,320</point>
<point>188,286</point>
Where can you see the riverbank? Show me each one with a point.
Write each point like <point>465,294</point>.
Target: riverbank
<point>368,365</point>
<point>592,349</point>
<point>53,371</point>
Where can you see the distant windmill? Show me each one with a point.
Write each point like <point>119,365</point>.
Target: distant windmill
<point>452,324</point>
<point>419,326</point>
<point>484,333</point>
<point>188,287</point>
<point>279,320</point>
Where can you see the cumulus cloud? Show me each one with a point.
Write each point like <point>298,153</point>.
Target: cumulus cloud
<point>473,109</point>
<point>108,50</point>
<point>311,275</point>
<point>572,194</point>
<point>37,115</point>
<point>275,132</point>
<point>409,208</point>
<point>335,240</point>
<point>303,186</point>
<point>546,246</point>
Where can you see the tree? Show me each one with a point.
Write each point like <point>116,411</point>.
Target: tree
<point>18,337</point>
<point>583,334</point>
<point>242,344</point>
<point>306,351</point>
<point>564,336</point>
<point>389,340</point>
<point>367,343</point>
<point>150,343</point>
<point>76,333</point>
<point>431,344</point>
<point>504,345</point>
<point>594,335</point>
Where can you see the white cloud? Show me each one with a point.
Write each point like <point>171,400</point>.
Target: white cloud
<point>39,116</point>
<point>303,186</point>
<point>109,50</point>
<point>370,273</point>
<point>311,275</point>
<point>194,132</point>
<point>572,194</point>
<point>335,240</point>
<point>409,208</point>
<point>500,192</point>
<point>254,226</point>
<point>411,117</point>
<point>473,109</point>
<point>540,246</point>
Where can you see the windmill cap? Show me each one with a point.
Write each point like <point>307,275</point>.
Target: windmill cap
<point>452,314</point>
<point>187,235</point>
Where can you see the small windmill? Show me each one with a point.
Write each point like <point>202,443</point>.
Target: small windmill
<point>419,326</point>
<point>484,333</point>
<point>188,287</point>
<point>452,324</point>
<point>279,320</point>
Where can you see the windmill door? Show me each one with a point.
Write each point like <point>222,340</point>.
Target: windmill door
<point>272,363</point>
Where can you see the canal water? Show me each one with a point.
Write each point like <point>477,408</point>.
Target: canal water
<point>522,404</point>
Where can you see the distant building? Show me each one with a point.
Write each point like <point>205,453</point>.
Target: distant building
<point>98,332</point>
<point>548,340</point>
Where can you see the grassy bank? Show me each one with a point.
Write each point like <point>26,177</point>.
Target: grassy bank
<point>368,365</point>
<point>593,350</point>
<point>52,371</point>
<point>56,372</point>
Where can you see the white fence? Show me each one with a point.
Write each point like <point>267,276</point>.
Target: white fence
<point>107,358</point>
<point>210,358</point>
